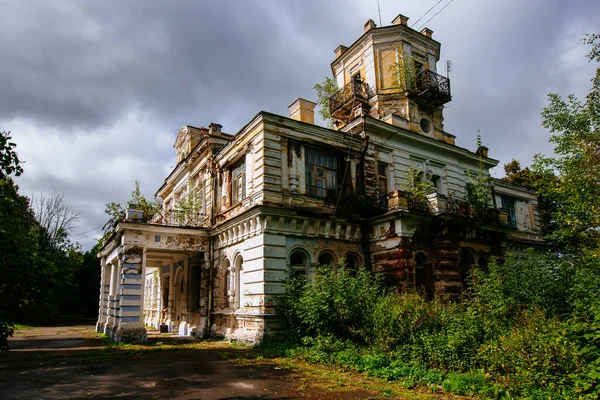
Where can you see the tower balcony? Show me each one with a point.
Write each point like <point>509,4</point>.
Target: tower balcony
<point>345,100</point>
<point>431,89</point>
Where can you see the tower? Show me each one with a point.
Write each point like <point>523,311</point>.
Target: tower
<point>390,73</point>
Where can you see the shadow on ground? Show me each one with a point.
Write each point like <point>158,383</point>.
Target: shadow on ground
<point>72,362</point>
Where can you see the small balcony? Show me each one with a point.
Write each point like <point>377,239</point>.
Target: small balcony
<point>353,94</point>
<point>175,218</point>
<point>431,89</point>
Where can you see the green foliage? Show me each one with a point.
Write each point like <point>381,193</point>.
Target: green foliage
<point>535,357</point>
<point>575,128</point>
<point>542,280</point>
<point>532,180</point>
<point>404,74</point>
<point>189,207</point>
<point>325,90</point>
<point>417,187</point>
<point>334,303</point>
<point>479,187</point>
<point>117,212</point>
<point>399,318</point>
<point>9,159</point>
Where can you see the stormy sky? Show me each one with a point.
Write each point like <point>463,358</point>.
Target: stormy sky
<point>94,92</point>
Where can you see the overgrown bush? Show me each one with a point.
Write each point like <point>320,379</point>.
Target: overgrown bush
<point>337,303</point>
<point>535,357</point>
<point>398,319</point>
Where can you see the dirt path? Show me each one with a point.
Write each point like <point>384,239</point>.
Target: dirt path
<point>72,362</point>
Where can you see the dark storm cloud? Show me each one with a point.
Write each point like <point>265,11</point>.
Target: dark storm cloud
<point>82,64</point>
<point>501,78</point>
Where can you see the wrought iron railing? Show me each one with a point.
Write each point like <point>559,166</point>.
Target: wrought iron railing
<point>357,89</point>
<point>429,80</point>
<point>183,218</point>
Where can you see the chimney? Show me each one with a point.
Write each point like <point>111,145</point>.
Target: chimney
<point>427,32</point>
<point>303,110</point>
<point>214,129</point>
<point>482,151</point>
<point>340,50</point>
<point>400,20</point>
<point>370,25</point>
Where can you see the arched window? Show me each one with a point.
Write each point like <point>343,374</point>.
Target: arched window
<point>423,275</point>
<point>299,262</point>
<point>238,289</point>
<point>327,259</point>
<point>352,261</point>
<point>465,265</point>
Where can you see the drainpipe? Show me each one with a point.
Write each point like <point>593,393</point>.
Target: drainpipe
<point>364,223</point>
<point>211,257</point>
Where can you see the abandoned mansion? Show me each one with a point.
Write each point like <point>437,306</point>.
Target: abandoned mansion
<point>386,188</point>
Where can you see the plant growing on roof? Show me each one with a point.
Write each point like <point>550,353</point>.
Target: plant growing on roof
<point>479,187</point>
<point>404,73</point>
<point>189,207</point>
<point>417,187</point>
<point>325,91</point>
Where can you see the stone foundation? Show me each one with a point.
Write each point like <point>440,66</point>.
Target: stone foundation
<point>131,335</point>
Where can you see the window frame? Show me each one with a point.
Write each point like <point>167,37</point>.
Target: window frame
<point>238,181</point>
<point>321,165</point>
<point>506,202</point>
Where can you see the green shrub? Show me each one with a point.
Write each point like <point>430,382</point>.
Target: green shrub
<point>585,330</point>
<point>398,319</point>
<point>334,303</point>
<point>535,357</point>
<point>542,280</point>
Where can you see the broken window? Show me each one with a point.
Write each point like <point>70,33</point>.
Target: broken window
<point>508,203</point>
<point>299,263</point>
<point>327,259</point>
<point>352,261</point>
<point>321,173</point>
<point>238,181</point>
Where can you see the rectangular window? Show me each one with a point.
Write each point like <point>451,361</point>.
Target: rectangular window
<point>238,181</point>
<point>321,174</point>
<point>508,204</point>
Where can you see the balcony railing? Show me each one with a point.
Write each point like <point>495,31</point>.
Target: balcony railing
<point>432,88</point>
<point>178,218</point>
<point>357,90</point>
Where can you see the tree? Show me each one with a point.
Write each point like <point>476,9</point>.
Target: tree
<point>56,216</point>
<point>479,187</point>
<point>16,250</point>
<point>117,212</point>
<point>9,159</point>
<point>575,128</point>
<point>325,90</point>
<point>531,179</point>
